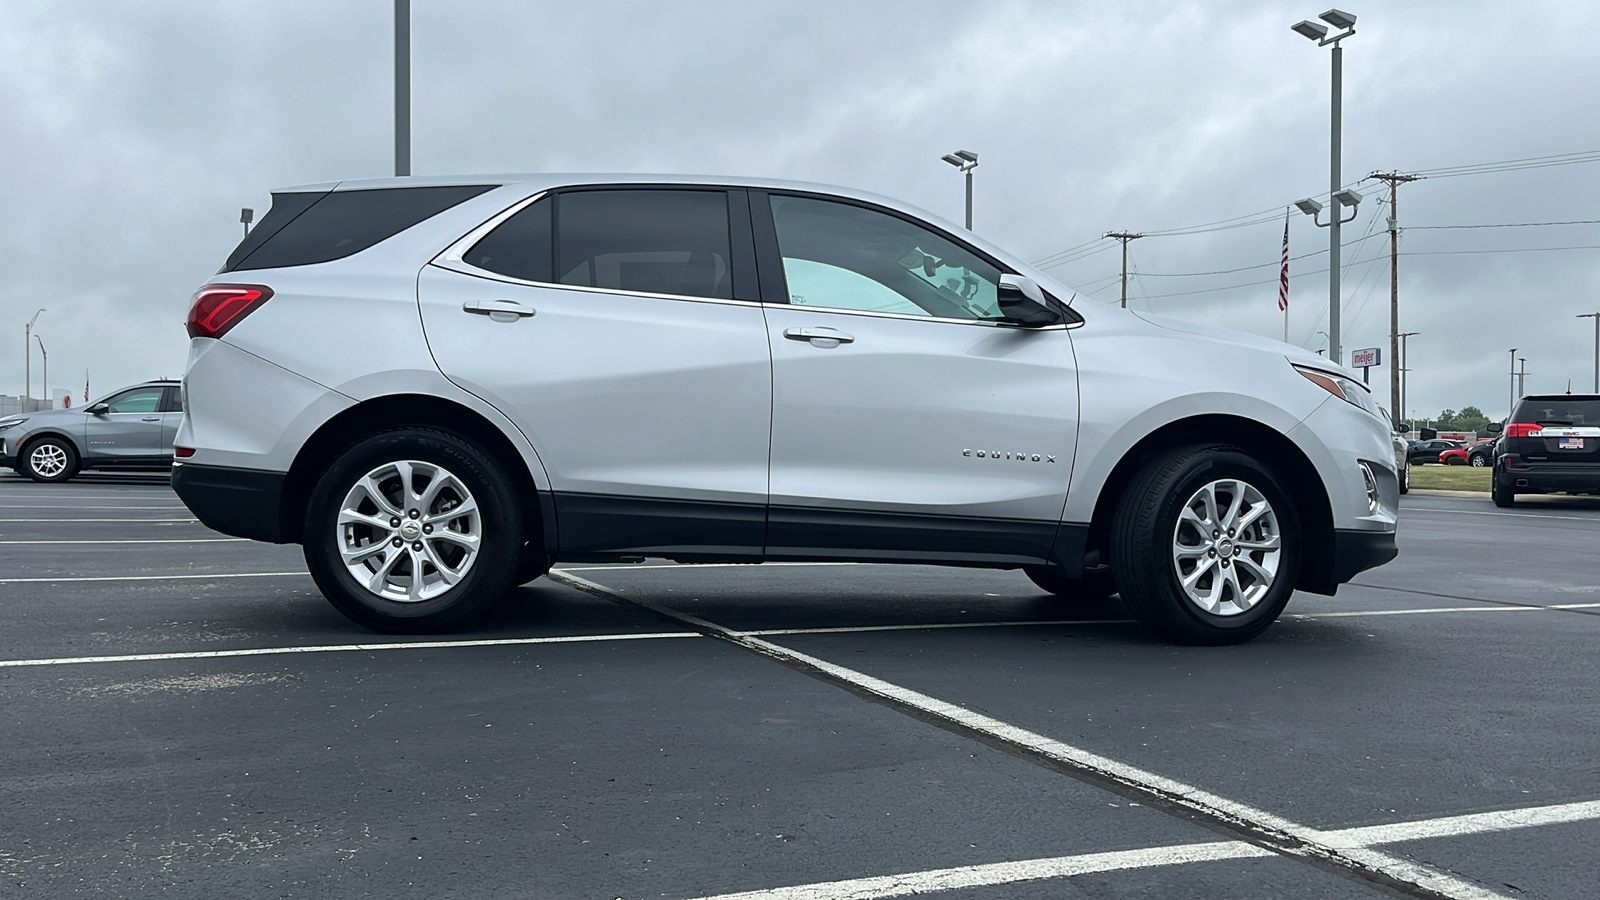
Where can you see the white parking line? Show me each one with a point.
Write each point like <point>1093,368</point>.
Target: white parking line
<point>1412,612</point>
<point>1212,806</point>
<point>63,506</point>
<point>4,543</point>
<point>50,579</point>
<point>989,875</point>
<point>37,521</point>
<point>1575,606</point>
<point>861,629</point>
<point>932,880</point>
<point>341,648</point>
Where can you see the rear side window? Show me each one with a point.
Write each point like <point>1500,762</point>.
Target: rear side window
<point>315,228</point>
<point>519,247</point>
<point>1558,410</point>
<point>650,241</point>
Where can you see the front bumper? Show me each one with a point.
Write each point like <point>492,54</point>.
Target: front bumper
<point>245,503</point>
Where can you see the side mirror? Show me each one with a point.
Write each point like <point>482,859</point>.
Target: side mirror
<point>1022,302</point>
<point>98,409</point>
<point>1494,428</point>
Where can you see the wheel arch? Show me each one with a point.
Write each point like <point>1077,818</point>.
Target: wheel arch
<point>53,433</point>
<point>396,410</point>
<point>1274,450</point>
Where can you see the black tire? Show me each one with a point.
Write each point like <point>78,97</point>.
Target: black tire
<point>1145,529</point>
<point>1504,497</point>
<point>1095,584</point>
<point>1405,478</point>
<point>52,451</point>
<point>481,582</point>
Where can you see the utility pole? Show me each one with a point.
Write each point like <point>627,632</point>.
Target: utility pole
<point>1394,180</point>
<point>402,87</point>
<point>1522,378</point>
<point>1124,237</point>
<point>1512,407</point>
<point>46,358</point>
<point>1596,317</point>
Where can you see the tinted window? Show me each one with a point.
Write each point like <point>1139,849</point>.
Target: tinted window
<point>848,257</point>
<point>519,246</point>
<point>138,400</point>
<point>1558,411</point>
<point>652,241</point>
<point>285,207</point>
<point>341,223</point>
<point>172,400</point>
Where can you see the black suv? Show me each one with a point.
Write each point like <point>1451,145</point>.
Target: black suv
<point>1552,443</point>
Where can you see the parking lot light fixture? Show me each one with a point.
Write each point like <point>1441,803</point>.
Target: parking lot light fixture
<point>966,161</point>
<point>1346,25</point>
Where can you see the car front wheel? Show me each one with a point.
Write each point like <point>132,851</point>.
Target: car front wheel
<point>413,531</point>
<point>49,459</point>
<point>1206,546</point>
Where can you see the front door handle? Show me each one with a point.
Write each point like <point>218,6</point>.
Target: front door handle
<point>499,310</point>
<point>823,336</point>
<point>151,419</point>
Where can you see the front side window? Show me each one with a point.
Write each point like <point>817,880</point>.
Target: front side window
<point>841,256</point>
<point>649,241</point>
<point>138,400</point>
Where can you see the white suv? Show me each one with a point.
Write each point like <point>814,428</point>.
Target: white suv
<point>441,386</point>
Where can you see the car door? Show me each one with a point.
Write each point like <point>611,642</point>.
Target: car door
<point>619,330</point>
<point>128,429</point>
<point>908,421</point>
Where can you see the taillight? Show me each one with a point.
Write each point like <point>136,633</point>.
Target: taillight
<point>219,307</point>
<point>1523,429</point>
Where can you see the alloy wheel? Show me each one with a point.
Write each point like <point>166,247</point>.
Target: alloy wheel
<point>1226,547</point>
<point>48,460</point>
<point>408,531</point>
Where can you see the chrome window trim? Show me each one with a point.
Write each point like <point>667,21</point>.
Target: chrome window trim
<point>992,323</point>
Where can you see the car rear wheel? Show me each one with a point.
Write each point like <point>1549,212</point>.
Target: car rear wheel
<point>1479,460</point>
<point>1094,584</point>
<point>1206,546</point>
<point>1504,497</point>
<point>49,459</point>
<point>1405,478</point>
<point>413,531</point>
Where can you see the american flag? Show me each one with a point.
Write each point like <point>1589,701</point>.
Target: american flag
<point>1283,273</point>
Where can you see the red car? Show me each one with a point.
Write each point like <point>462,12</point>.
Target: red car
<point>1478,454</point>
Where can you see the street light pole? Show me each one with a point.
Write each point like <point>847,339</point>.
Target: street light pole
<point>1319,33</point>
<point>402,87</point>
<point>966,161</point>
<point>1596,317</point>
<point>1513,404</point>
<point>27,360</point>
<point>1522,378</point>
<point>1405,369</point>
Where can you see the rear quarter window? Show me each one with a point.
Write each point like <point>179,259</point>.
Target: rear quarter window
<point>306,228</point>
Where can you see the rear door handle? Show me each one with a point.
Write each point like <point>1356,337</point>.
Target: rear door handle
<point>822,336</point>
<point>499,310</point>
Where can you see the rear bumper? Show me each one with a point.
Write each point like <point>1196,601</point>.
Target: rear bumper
<point>245,503</point>
<point>1539,478</point>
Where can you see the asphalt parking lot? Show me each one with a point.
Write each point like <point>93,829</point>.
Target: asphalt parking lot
<point>185,716</point>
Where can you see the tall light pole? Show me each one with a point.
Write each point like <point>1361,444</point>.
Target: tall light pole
<point>1513,404</point>
<point>1345,24</point>
<point>402,87</point>
<point>1522,378</point>
<point>1596,317</point>
<point>27,360</point>
<point>966,161</point>
<point>1405,369</point>
<point>46,359</point>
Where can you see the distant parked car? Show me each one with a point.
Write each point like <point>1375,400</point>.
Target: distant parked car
<point>1402,453</point>
<point>131,429</point>
<point>1551,443</point>
<point>1480,453</point>
<point>1428,451</point>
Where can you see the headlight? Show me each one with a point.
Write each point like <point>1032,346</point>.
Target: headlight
<point>1351,392</point>
<point>10,423</point>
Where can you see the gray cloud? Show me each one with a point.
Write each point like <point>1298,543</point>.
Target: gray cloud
<point>136,131</point>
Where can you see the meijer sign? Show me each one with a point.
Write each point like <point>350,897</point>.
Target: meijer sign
<point>1360,359</point>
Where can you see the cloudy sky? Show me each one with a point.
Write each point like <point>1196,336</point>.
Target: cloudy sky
<point>134,132</point>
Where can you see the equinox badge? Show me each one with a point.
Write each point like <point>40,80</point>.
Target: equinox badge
<point>1003,454</point>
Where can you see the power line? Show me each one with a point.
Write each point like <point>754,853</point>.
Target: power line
<point>1504,225</point>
